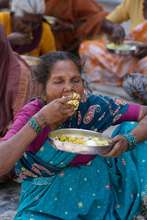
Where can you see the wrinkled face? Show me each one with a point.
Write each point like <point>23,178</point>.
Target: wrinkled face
<point>27,23</point>
<point>64,80</point>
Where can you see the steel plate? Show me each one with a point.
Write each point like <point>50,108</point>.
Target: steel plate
<point>126,48</point>
<point>80,148</point>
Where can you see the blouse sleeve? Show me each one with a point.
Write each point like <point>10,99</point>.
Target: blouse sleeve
<point>132,113</point>
<point>21,119</point>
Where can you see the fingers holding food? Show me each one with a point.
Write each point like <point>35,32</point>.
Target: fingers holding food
<point>75,101</point>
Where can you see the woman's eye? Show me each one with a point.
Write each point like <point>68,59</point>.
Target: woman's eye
<point>58,82</point>
<point>76,80</point>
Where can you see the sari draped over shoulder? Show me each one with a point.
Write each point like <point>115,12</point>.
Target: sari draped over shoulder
<point>9,78</point>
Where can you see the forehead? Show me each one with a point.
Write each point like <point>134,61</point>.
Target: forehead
<point>64,68</point>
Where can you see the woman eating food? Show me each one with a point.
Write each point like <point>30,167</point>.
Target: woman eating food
<point>70,186</point>
<point>25,28</point>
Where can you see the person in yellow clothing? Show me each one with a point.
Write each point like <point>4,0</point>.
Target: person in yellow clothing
<point>128,10</point>
<point>102,66</point>
<point>25,28</point>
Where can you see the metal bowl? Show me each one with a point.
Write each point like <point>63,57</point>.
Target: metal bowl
<point>126,48</point>
<point>87,147</point>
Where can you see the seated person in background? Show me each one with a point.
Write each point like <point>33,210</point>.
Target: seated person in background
<point>76,20</point>
<point>64,185</point>
<point>136,86</point>
<point>17,83</point>
<point>132,10</point>
<point>100,65</point>
<point>25,28</point>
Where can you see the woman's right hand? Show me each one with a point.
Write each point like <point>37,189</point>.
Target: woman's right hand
<point>57,111</point>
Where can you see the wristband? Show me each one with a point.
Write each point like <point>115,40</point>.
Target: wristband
<point>132,141</point>
<point>41,120</point>
<point>34,125</point>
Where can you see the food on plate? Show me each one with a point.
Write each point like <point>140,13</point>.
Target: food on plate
<point>122,47</point>
<point>83,140</point>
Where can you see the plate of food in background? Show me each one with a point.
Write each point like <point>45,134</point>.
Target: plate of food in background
<point>125,48</point>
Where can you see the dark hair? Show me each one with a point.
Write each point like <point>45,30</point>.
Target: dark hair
<point>43,69</point>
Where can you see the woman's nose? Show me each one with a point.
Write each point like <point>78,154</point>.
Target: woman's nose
<point>68,87</point>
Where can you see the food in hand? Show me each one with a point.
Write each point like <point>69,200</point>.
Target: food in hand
<point>75,100</point>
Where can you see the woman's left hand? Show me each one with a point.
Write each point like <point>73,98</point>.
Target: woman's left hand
<point>120,145</point>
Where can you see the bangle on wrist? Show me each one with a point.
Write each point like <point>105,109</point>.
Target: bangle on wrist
<point>34,125</point>
<point>132,141</point>
<point>41,120</point>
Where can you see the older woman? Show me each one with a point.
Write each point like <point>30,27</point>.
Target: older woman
<point>64,185</point>
<point>25,28</point>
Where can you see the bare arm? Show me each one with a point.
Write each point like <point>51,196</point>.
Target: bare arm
<point>139,132</point>
<point>12,149</point>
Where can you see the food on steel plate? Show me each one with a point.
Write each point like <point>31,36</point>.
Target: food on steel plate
<point>89,141</point>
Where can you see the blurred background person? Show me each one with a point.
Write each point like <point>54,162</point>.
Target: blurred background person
<point>25,28</point>
<point>100,65</point>
<point>76,20</point>
<point>132,10</point>
<point>18,84</point>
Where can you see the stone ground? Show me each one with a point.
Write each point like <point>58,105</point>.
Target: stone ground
<point>8,199</point>
<point>9,192</point>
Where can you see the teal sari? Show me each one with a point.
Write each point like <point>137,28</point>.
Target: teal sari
<point>109,189</point>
